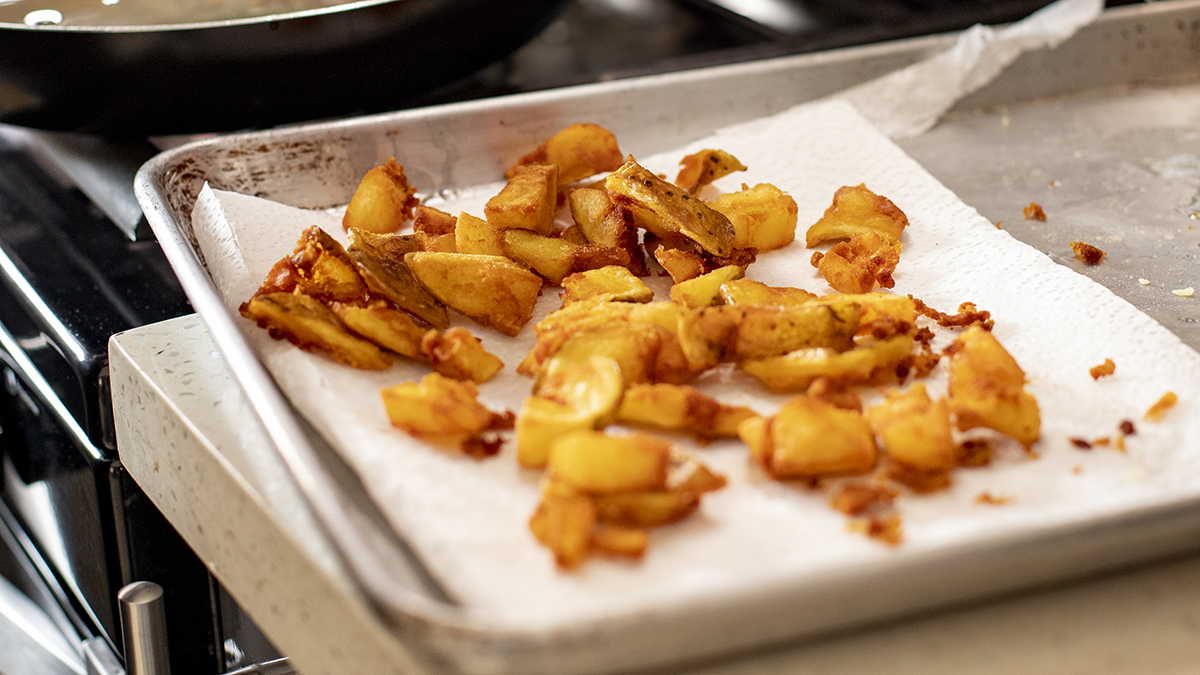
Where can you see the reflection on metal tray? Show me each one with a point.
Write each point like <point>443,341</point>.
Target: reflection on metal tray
<point>319,166</point>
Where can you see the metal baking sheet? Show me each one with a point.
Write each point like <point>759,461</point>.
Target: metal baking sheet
<point>319,166</point>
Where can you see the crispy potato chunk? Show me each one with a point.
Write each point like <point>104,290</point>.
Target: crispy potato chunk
<point>732,333</point>
<point>763,216</point>
<point>552,258</point>
<point>809,438</point>
<point>703,290</point>
<point>528,201</point>
<point>565,526</point>
<point>856,210</point>
<point>629,542</point>
<point>645,353</point>
<point>477,236</point>
<point>667,211</point>
<point>704,167</point>
<point>579,151</point>
<point>573,396</point>
<point>872,363</point>
<point>915,430</point>
<point>490,290</point>
<point>856,266</point>
<point>610,284</point>
<point>283,277</point>
<point>755,293</point>
<point>680,408</point>
<point>875,307</point>
<point>379,259</point>
<point>987,388</point>
<point>459,355</point>
<point>577,317</point>
<point>324,270</point>
<point>603,224</point>
<point>433,222</point>
<point>383,325</point>
<point>383,200</point>
<point>593,462</point>
<point>438,408</point>
<point>681,265</point>
<point>313,327</point>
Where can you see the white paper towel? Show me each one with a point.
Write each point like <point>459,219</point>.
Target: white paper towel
<point>467,518</point>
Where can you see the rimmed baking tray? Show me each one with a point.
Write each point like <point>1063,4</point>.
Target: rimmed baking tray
<point>318,166</point>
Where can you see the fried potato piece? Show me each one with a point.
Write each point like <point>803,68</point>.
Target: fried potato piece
<point>433,222</point>
<point>612,283</point>
<point>875,307</point>
<point>987,388</point>
<point>856,210</point>
<point>382,201</point>
<point>604,224</point>
<point>324,270</point>
<point>667,211</point>
<point>629,542</point>
<point>681,265</point>
<point>379,259</point>
<point>579,151</point>
<point>313,327</point>
<point>561,325</point>
<point>856,266</point>
<point>645,353</point>
<point>703,290</point>
<point>680,408</point>
<point>915,430</point>
<point>552,258</point>
<point>383,325</point>
<point>764,217</point>
<point>528,201</point>
<point>576,396</point>
<point>731,333</point>
<point>477,236</point>
<point>684,261</point>
<point>747,292</point>
<point>490,290</point>
<point>809,438</point>
<point>440,408</point>
<point>593,462</point>
<point>872,363</point>
<point>283,277</point>
<point>565,525</point>
<point>704,167</point>
<point>459,355</point>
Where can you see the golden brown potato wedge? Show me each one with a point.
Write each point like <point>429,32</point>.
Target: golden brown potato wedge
<point>579,395</point>
<point>477,236</point>
<point>872,363</point>
<point>645,353</point>
<point>856,210</point>
<point>490,290</point>
<point>604,224</point>
<point>629,542</point>
<point>987,388</point>
<point>704,167</point>
<point>383,200</point>
<point>439,407</point>
<point>379,259</point>
<point>324,270</point>
<point>433,222</point>
<point>733,333</point>
<point>705,289</point>
<point>612,283</point>
<point>565,526</point>
<point>680,408</point>
<point>459,355</point>
<point>528,201</point>
<point>593,462</point>
<point>645,509</point>
<point>384,325</point>
<point>551,257</point>
<point>577,317</point>
<point>579,151</point>
<point>915,430</point>
<point>763,216</point>
<point>809,438</point>
<point>755,293</point>
<point>668,211</point>
<point>310,325</point>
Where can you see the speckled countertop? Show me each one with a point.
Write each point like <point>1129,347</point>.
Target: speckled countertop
<point>189,439</point>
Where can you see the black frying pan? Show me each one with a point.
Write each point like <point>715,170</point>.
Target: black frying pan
<point>251,72</point>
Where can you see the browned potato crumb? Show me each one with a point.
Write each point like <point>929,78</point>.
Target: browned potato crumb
<point>989,499</point>
<point>1159,409</point>
<point>1034,212</point>
<point>1090,255</point>
<point>1104,369</point>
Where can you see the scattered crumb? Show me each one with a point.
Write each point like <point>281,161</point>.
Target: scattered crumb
<point>1102,442</point>
<point>855,499</point>
<point>1135,473</point>
<point>998,225</point>
<point>1103,370</point>
<point>974,452</point>
<point>1159,409</point>
<point>1127,428</point>
<point>1082,444</point>
<point>1054,183</point>
<point>1144,282</point>
<point>1089,254</point>
<point>886,529</point>
<point>1077,469</point>
<point>1120,443</point>
<point>1184,292</point>
<point>988,498</point>
<point>1034,212</point>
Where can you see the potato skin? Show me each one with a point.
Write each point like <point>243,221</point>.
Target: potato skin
<point>668,211</point>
